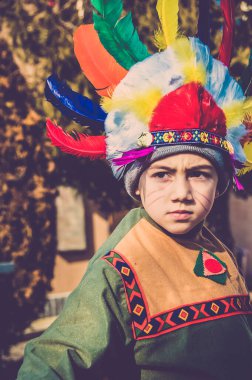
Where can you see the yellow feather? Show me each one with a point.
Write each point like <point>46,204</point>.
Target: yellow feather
<point>247,108</point>
<point>168,14</point>
<point>248,152</point>
<point>233,114</point>
<point>142,105</point>
<point>246,169</point>
<point>145,104</point>
<point>106,104</point>
<point>193,71</point>
<point>159,39</point>
<point>248,164</point>
<point>237,111</point>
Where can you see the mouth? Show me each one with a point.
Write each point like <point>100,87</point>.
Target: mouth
<point>180,214</point>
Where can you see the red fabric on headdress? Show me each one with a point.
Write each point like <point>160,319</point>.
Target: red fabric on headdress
<point>228,10</point>
<point>188,107</point>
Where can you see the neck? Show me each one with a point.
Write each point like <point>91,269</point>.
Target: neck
<point>194,235</point>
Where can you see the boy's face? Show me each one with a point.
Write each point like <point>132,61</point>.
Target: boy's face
<point>178,191</point>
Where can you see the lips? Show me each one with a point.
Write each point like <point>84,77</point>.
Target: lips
<point>181,214</point>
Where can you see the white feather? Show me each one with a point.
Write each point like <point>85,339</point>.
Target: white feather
<point>163,71</point>
<point>219,83</point>
<point>234,136</point>
<point>123,137</point>
<point>145,75</point>
<point>202,51</point>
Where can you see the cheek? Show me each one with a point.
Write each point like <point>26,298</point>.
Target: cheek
<point>205,198</point>
<point>153,197</point>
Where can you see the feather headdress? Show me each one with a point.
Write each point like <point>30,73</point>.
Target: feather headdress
<point>179,95</point>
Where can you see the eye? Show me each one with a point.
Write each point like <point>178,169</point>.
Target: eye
<point>162,175</point>
<point>199,174</point>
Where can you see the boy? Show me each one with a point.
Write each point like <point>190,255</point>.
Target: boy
<point>162,298</point>
<point>139,311</point>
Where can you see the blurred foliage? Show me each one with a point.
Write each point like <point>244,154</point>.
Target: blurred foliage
<point>36,40</point>
<point>27,215</point>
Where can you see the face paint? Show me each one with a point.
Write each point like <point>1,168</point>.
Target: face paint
<point>178,191</point>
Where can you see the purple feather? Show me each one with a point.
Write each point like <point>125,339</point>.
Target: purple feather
<point>132,155</point>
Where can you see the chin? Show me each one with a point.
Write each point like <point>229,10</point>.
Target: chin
<point>178,229</point>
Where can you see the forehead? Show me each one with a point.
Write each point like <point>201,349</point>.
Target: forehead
<point>182,161</point>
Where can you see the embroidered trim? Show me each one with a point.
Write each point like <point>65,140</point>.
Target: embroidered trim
<point>189,136</point>
<point>145,326</point>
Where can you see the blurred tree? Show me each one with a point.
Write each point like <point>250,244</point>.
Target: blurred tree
<point>27,215</point>
<point>36,41</point>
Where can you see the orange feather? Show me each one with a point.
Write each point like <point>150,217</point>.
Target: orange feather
<point>98,65</point>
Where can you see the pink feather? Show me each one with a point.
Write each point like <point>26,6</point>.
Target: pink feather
<point>238,184</point>
<point>225,50</point>
<point>236,164</point>
<point>132,155</point>
<point>83,146</point>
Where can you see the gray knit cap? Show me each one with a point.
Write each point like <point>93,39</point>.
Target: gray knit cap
<point>219,159</point>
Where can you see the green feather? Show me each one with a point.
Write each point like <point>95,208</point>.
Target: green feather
<point>109,42</point>
<point>128,37</point>
<point>109,10</point>
<point>118,36</point>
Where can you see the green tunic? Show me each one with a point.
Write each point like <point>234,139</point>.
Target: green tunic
<point>141,312</point>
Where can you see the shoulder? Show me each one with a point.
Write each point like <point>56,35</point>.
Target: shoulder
<point>123,228</point>
<point>99,299</point>
<point>101,280</point>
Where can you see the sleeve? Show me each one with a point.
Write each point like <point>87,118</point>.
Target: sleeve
<point>90,339</point>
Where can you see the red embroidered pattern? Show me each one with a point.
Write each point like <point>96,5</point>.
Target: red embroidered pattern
<point>145,326</point>
<point>189,136</point>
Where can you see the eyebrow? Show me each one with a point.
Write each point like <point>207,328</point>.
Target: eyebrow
<point>196,167</point>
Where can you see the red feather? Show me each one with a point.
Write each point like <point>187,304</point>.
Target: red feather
<point>188,107</point>
<point>225,51</point>
<point>83,146</point>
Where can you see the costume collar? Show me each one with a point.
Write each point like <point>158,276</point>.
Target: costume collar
<point>181,237</point>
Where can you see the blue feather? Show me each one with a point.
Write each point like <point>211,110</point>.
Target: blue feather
<point>219,82</point>
<point>72,104</point>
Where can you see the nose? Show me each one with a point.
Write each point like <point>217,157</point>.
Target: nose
<point>181,190</point>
